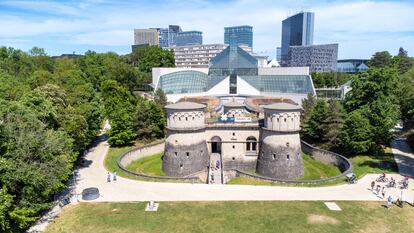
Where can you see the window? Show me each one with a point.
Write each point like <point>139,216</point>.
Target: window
<point>186,118</point>
<point>234,158</point>
<point>234,146</point>
<point>287,157</point>
<point>234,134</point>
<point>175,153</point>
<point>188,154</point>
<point>274,156</point>
<point>251,143</point>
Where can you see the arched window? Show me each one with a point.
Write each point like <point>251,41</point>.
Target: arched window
<point>251,143</point>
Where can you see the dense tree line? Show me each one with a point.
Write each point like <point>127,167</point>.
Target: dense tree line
<point>330,79</point>
<point>363,121</point>
<point>52,109</point>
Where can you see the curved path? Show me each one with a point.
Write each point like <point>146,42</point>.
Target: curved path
<point>132,190</point>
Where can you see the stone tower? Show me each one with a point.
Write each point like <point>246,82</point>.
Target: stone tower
<point>185,146</point>
<point>280,155</point>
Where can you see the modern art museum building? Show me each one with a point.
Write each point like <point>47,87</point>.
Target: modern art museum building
<point>234,72</point>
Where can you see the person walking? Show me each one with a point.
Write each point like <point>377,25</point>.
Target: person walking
<point>389,202</point>
<point>383,192</point>
<point>108,177</point>
<point>114,176</point>
<point>372,185</point>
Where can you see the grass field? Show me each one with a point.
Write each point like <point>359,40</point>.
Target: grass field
<point>313,170</point>
<point>151,165</point>
<point>288,216</point>
<point>364,164</point>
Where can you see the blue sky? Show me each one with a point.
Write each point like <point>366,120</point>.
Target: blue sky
<point>360,27</point>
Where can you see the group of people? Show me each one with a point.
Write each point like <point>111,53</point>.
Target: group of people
<point>109,175</point>
<point>379,190</point>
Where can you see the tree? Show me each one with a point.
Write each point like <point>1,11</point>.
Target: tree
<point>314,124</point>
<point>149,121</point>
<point>356,136</point>
<point>307,105</point>
<point>383,116</point>
<point>380,59</point>
<point>160,98</point>
<point>333,123</point>
<point>153,56</point>
<point>404,62</point>
<point>119,108</point>
<point>36,51</point>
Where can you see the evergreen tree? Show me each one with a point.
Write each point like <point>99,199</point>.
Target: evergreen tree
<point>160,98</point>
<point>314,125</point>
<point>380,59</point>
<point>333,123</point>
<point>404,62</point>
<point>307,105</point>
<point>356,135</point>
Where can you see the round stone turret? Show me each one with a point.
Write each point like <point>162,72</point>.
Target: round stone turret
<point>280,155</point>
<point>234,109</point>
<point>185,146</point>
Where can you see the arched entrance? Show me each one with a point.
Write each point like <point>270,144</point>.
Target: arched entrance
<point>216,144</point>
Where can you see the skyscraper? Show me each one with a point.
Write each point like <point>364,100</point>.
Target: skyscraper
<point>188,38</point>
<point>243,35</point>
<point>146,36</point>
<point>297,30</point>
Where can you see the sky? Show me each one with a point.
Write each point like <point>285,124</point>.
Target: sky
<point>360,27</point>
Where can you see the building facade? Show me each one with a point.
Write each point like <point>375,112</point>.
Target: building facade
<point>188,38</point>
<point>352,65</point>
<point>234,72</point>
<point>146,36</point>
<point>196,56</point>
<point>297,30</point>
<point>272,149</point>
<point>243,35</point>
<point>319,58</point>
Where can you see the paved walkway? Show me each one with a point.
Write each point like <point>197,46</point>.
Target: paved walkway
<point>403,156</point>
<point>214,170</point>
<point>132,190</point>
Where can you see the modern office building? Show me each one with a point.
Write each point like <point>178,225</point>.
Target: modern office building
<point>319,58</point>
<point>352,65</point>
<point>243,35</point>
<point>297,30</point>
<point>163,35</point>
<point>172,31</point>
<point>279,54</point>
<point>234,72</point>
<point>188,38</point>
<point>146,36</point>
<point>196,56</point>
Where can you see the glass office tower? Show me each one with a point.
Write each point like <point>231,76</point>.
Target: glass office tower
<point>297,30</point>
<point>188,38</point>
<point>242,34</point>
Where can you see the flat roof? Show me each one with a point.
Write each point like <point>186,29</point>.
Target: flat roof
<point>185,105</point>
<point>282,106</point>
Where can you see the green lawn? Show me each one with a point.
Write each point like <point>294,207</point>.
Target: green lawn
<point>151,165</point>
<point>260,216</point>
<point>364,164</point>
<point>313,170</point>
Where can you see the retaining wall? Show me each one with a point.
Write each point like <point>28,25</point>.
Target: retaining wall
<point>324,156</point>
<point>144,151</point>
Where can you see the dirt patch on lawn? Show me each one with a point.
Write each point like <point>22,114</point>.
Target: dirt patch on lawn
<point>322,219</point>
